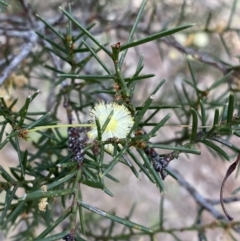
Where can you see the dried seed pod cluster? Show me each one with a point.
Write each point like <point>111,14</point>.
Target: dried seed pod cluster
<point>69,237</point>
<point>75,143</point>
<point>159,163</point>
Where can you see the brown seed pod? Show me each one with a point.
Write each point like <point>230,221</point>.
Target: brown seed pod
<point>75,143</point>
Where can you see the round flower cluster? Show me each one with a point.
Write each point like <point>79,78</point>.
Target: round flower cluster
<point>119,126</point>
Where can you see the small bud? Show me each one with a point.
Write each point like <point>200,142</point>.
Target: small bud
<point>43,201</point>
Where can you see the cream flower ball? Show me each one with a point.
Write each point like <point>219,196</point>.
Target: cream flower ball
<point>119,126</point>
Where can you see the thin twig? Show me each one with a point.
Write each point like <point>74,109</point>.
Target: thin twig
<point>171,41</point>
<point>25,50</point>
<point>225,200</point>
<point>197,196</point>
<point>200,56</point>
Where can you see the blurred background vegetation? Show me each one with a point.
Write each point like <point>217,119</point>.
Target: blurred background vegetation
<point>201,67</point>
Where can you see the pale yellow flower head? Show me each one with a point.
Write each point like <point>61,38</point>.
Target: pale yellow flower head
<point>119,126</point>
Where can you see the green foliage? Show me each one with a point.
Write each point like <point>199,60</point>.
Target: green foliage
<point>3,5</point>
<point>48,173</point>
